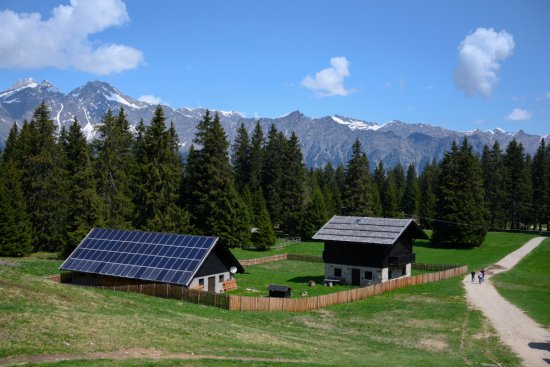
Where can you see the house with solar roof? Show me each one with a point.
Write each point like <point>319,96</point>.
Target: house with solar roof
<point>121,257</point>
<point>364,250</point>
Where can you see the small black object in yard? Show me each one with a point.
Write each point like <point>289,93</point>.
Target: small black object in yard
<point>279,291</point>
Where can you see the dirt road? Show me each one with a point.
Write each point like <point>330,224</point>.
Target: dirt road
<point>527,338</point>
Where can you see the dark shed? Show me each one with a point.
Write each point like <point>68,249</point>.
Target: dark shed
<point>279,291</point>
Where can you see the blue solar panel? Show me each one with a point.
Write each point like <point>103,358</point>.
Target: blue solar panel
<point>150,256</point>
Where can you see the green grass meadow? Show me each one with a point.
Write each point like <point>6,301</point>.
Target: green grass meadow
<point>425,325</point>
<point>527,285</point>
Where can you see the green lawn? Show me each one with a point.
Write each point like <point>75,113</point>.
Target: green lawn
<point>303,248</point>
<point>295,274</point>
<point>425,325</point>
<point>528,284</point>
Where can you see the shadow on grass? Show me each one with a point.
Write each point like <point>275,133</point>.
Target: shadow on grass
<point>318,279</point>
<point>428,244</point>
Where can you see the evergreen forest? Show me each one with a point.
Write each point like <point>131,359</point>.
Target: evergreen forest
<point>55,186</point>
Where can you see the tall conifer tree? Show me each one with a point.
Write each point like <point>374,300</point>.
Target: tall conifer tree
<point>43,180</point>
<point>85,205</point>
<point>359,194</point>
<point>461,211</point>
<point>114,165</point>
<point>214,203</point>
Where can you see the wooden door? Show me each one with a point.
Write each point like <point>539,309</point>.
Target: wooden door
<point>212,284</point>
<point>355,277</point>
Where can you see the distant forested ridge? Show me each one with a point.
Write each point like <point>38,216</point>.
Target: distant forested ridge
<point>54,187</point>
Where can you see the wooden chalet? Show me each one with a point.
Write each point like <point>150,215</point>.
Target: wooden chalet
<point>365,250</point>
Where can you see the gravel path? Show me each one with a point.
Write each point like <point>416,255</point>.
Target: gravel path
<point>527,338</point>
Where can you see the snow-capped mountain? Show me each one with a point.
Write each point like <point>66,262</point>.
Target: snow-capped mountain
<point>323,139</point>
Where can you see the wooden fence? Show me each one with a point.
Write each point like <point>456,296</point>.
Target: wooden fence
<point>175,292</point>
<point>243,303</point>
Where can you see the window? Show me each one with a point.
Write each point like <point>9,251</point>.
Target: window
<point>220,278</point>
<point>368,275</point>
<point>337,272</point>
<point>404,271</point>
<point>201,282</point>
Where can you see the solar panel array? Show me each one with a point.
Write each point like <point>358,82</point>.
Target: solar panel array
<point>151,256</point>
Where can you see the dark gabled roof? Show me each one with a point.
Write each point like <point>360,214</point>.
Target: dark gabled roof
<point>150,256</point>
<point>381,231</point>
<point>278,288</point>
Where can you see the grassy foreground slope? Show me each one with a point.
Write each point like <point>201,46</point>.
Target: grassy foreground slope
<point>527,285</point>
<point>426,325</point>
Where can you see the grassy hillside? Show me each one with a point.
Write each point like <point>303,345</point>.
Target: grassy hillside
<point>528,284</point>
<point>426,325</point>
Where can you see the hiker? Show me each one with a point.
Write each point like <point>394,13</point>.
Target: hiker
<point>482,271</point>
<point>480,277</point>
<point>473,273</point>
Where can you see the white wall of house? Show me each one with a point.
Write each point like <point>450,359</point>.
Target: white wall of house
<point>219,279</point>
<point>368,275</point>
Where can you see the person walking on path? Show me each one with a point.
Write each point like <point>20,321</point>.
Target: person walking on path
<point>480,278</point>
<point>473,273</point>
<point>482,271</point>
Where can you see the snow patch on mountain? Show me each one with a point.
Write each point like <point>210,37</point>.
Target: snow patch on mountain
<point>118,98</point>
<point>89,131</point>
<point>355,124</point>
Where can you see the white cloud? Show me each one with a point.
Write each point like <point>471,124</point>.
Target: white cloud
<point>479,57</point>
<point>330,81</point>
<point>518,114</point>
<point>62,41</point>
<point>543,97</point>
<point>149,98</point>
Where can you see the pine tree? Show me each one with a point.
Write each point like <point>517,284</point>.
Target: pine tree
<point>263,236</point>
<point>160,170</point>
<point>428,199</point>
<point>400,180</point>
<point>411,194</point>
<point>272,174</point>
<point>292,186</point>
<point>315,214</point>
<point>539,181</point>
<point>461,210</point>
<point>330,190</point>
<point>10,148</point>
<point>492,166</point>
<point>15,227</point>
<point>114,164</point>
<point>380,176</point>
<point>359,195</point>
<point>516,184</point>
<point>43,180</point>
<point>214,204</point>
<point>85,205</point>
<point>241,158</point>
<point>390,205</point>
<point>256,157</point>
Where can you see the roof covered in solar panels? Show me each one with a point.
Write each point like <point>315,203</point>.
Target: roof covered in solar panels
<point>380,231</point>
<point>150,256</point>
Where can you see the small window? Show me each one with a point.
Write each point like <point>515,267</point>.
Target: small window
<point>368,275</point>
<point>404,271</point>
<point>220,278</point>
<point>201,282</point>
<point>337,272</point>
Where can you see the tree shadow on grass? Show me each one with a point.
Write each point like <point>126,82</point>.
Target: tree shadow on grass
<point>428,244</point>
<point>318,279</point>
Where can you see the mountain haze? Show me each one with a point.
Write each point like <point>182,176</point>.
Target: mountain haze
<point>323,139</point>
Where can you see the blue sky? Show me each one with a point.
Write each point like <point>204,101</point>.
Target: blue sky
<point>458,64</point>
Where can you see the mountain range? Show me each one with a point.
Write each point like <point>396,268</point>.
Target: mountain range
<point>323,139</point>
